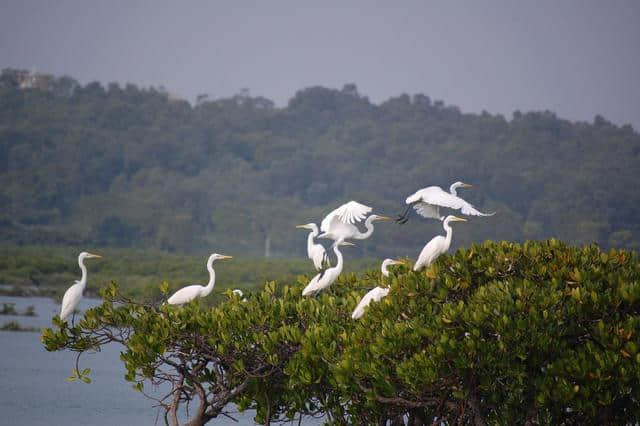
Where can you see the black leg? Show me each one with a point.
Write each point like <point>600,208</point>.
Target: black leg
<point>73,319</point>
<point>404,217</point>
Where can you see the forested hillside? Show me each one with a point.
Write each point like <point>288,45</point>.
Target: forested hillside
<point>130,167</point>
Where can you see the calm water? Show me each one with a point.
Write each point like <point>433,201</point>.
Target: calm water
<point>33,382</point>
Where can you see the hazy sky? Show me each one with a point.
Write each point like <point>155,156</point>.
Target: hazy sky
<point>577,58</point>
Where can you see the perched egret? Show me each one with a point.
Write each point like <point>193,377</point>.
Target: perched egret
<point>325,278</point>
<point>427,202</point>
<point>377,293</point>
<point>316,252</point>
<point>340,223</point>
<point>190,292</point>
<point>437,245</point>
<point>73,295</point>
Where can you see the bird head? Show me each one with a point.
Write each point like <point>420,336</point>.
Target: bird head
<point>216,256</point>
<point>452,218</point>
<point>87,255</point>
<point>375,217</point>
<point>388,262</point>
<point>457,185</point>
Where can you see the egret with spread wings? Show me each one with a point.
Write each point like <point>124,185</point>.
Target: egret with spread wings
<point>340,223</point>
<point>428,201</point>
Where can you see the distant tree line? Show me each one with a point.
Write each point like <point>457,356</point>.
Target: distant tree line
<point>131,167</point>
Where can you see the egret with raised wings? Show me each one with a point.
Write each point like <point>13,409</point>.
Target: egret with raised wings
<point>73,295</point>
<point>188,293</point>
<point>316,252</point>
<point>377,293</point>
<point>427,202</point>
<point>438,244</point>
<point>325,278</point>
<point>340,223</point>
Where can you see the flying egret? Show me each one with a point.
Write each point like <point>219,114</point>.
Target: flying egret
<point>73,295</point>
<point>325,278</point>
<point>316,252</point>
<point>190,292</point>
<point>437,245</point>
<point>427,202</point>
<point>377,293</point>
<point>340,223</point>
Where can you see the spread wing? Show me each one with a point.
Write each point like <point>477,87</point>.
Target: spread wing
<point>427,210</point>
<point>350,212</point>
<point>435,196</point>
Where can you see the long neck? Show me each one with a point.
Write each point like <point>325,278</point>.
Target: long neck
<point>338,266</point>
<point>383,268</point>
<point>312,234</point>
<point>369,225</point>
<point>212,279</point>
<point>83,279</point>
<point>453,189</point>
<point>447,228</point>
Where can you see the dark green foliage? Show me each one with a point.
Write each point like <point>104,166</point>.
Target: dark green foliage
<point>498,333</point>
<point>127,167</point>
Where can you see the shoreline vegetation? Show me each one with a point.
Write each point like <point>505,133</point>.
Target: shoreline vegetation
<point>16,326</point>
<point>10,309</point>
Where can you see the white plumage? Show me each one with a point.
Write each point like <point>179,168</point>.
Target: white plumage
<point>73,295</point>
<point>374,295</point>
<point>438,245</point>
<point>427,202</point>
<point>315,252</point>
<point>325,278</point>
<point>340,223</point>
<point>188,293</point>
<point>377,293</point>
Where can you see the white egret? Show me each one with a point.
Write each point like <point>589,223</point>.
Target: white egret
<point>427,202</point>
<point>437,245</point>
<point>316,252</point>
<point>73,295</point>
<point>188,293</point>
<point>325,278</point>
<point>340,223</point>
<point>377,293</point>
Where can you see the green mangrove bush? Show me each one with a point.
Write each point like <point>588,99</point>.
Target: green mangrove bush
<point>498,333</point>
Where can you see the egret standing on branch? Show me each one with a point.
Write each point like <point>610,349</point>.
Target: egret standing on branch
<point>316,252</point>
<point>438,245</point>
<point>73,295</point>
<point>340,223</point>
<point>325,278</point>
<point>188,293</point>
<point>427,202</point>
<point>377,293</point>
